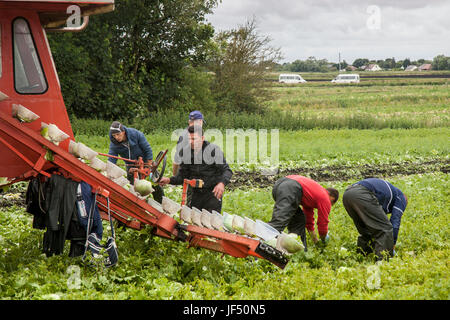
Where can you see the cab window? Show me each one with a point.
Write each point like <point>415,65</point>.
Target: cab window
<point>29,77</point>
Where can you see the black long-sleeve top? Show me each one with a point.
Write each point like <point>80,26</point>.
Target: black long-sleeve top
<point>208,165</point>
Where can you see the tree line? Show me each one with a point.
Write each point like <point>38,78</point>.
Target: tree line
<point>312,64</point>
<point>147,56</point>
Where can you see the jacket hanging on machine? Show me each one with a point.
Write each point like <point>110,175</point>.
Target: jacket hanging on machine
<point>60,199</point>
<point>57,205</point>
<point>35,202</point>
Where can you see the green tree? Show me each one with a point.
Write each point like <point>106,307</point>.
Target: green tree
<point>343,65</point>
<point>132,59</point>
<point>389,63</point>
<point>441,62</point>
<point>297,66</point>
<point>312,65</point>
<point>240,62</point>
<point>72,72</point>
<point>161,39</point>
<point>358,63</point>
<point>406,63</point>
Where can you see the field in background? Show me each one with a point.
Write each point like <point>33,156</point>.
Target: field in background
<point>423,101</point>
<point>330,151</point>
<point>396,129</point>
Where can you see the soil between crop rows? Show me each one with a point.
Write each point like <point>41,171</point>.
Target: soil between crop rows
<point>243,179</point>
<point>339,173</point>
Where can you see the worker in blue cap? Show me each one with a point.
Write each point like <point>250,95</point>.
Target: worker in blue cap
<point>203,161</point>
<point>195,119</point>
<point>196,115</point>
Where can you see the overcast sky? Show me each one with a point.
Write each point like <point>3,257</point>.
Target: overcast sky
<point>373,29</point>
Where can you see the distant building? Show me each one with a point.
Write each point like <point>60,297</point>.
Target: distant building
<point>351,68</point>
<point>372,67</point>
<point>411,67</point>
<point>425,67</point>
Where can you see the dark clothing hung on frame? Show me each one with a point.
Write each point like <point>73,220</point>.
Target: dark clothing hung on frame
<point>53,204</point>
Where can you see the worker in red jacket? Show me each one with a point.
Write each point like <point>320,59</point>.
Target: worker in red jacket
<point>294,191</point>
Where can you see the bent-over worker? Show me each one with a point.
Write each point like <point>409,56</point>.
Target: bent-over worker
<point>131,144</point>
<point>293,191</point>
<point>367,202</point>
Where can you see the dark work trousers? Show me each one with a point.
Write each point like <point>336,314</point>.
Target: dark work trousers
<point>287,194</point>
<point>205,199</point>
<point>372,223</point>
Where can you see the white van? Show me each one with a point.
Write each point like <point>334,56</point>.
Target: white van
<point>346,78</point>
<point>290,78</point>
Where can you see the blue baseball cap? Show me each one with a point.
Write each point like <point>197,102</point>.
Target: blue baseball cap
<point>196,115</point>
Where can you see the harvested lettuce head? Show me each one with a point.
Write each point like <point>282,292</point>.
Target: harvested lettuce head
<point>143,187</point>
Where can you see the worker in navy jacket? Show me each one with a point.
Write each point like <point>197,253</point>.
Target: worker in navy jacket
<point>368,202</point>
<point>131,144</point>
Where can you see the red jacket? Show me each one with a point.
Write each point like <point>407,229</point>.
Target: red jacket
<point>314,196</point>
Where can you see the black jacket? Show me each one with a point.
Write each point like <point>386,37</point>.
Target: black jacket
<point>60,202</point>
<point>209,165</point>
<point>54,206</point>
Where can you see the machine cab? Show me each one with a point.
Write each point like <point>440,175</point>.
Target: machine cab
<point>27,72</point>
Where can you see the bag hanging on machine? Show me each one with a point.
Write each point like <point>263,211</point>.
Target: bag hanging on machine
<point>93,244</point>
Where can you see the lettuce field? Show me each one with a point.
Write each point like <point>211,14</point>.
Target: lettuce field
<point>413,157</point>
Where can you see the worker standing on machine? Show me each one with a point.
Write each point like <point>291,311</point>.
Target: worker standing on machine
<point>130,143</point>
<point>195,118</point>
<point>202,161</point>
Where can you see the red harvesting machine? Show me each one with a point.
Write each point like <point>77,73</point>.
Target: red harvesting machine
<point>28,78</point>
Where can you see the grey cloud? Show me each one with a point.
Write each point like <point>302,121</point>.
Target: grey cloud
<point>408,28</point>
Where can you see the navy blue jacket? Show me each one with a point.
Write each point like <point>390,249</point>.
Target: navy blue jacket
<point>391,199</point>
<point>136,146</point>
